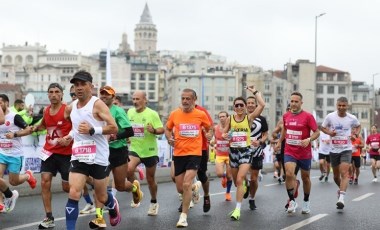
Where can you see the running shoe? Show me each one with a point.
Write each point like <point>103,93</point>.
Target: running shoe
<point>297,186</point>
<point>228,197</point>
<point>191,204</point>
<point>133,205</point>
<point>340,203</point>
<point>153,209</point>
<point>235,214</point>
<point>206,203</point>
<point>246,189</point>
<point>223,181</point>
<point>182,222</point>
<point>115,220</point>
<point>351,180</point>
<point>180,196</point>
<point>252,205</point>
<point>31,180</point>
<point>356,181</point>
<point>321,177</point>
<point>141,173</point>
<point>326,179</point>
<point>306,207</point>
<point>279,180</point>
<point>374,180</point>
<point>10,203</point>
<point>98,222</point>
<point>89,208</point>
<point>196,196</point>
<point>292,206</point>
<point>138,194</point>
<point>2,208</point>
<point>46,223</point>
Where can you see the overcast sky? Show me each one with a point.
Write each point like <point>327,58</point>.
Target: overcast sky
<point>266,33</point>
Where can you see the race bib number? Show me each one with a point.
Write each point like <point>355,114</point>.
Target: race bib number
<point>84,151</point>
<point>45,154</point>
<point>239,140</point>
<point>339,141</point>
<point>189,130</point>
<point>374,145</point>
<point>138,130</point>
<point>6,145</point>
<point>222,146</point>
<point>293,137</point>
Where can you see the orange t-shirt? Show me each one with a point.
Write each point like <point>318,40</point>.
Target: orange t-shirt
<point>356,151</point>
<point>188,131</point>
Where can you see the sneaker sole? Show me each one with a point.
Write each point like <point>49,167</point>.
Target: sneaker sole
<point>305,212</point>
<point>339,205</point>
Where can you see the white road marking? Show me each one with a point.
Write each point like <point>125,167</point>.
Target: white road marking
<point>267,185</point>
<point>363,196</point>
<point>305,222</point>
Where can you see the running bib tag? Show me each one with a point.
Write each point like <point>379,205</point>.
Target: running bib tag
<point>239,140</point>
<point>138,130</point>
<point>293,137</point>
<point>375,145</point>
<point>6,145</point>
<point>339,141</point>
<point>45,154</point>
<point>84,151</point>
<point>222,146</point>
<point>188,130</point>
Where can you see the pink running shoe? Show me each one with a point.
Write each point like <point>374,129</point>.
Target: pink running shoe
<point>116,219</point>
<point>141,173</point>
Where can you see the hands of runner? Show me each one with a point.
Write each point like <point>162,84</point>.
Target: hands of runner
<point>171,141</point>
<point>84,128</point>
<point>149,128</point>
<point>64,141</point>
<point>332,133</point>
<point>111,137</point>
<point>254,142</point>
<point>305,142</point>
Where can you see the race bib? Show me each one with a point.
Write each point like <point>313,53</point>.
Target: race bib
<point>45,154</point>
<point>138,130</point>
<point>374,145</point>
<point>238,140</point>
<point>222,146</point>
<point>293,137</point>
<point>6,145</point>
<point>188,130</point>
<point>339,141</point>
<point>84,151</point>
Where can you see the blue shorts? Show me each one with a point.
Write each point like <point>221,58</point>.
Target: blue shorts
<point>13,164</point>
<point>304,164</point>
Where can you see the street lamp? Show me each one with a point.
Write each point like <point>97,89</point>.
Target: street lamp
<point>315,47</point>
<point>374,97</point>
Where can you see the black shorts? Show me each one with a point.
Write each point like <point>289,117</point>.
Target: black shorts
<point>356,161</point>
<point>204,160</point>
<point>279,157</point>
<point>147,161</point>
<point>324,157</point>
<point>96,171</point>
<point>257,163</point>
<point>375,157</point>
<point>118,157</point>
<point>57,163</point>
<point>181,164</point>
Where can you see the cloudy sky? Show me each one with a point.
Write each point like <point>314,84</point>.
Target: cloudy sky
<point>267,33</point>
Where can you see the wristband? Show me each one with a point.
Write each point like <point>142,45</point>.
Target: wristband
<point>154,131</point>
<point>254,93</point>
<point>14,134</point>
<point>98,130</point>
<point>71,134</point>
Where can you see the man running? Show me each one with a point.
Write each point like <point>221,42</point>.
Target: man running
<point>56,153</point>
<point>297,125</point>
<point>324,156</point>
<point>91,121</point>
<point>338,125</point>
<point>146,125</point>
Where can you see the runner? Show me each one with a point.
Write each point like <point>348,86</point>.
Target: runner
<point>338,125</point>
<point>238,132</point>
<point>118,155</point>
<point>298,124</point>
<point>222,147</point>
<point>187,124</point>
<point>91,120</point>
<point>357,145</point>
<point>56,153</point>
<point>11,131</point>
<point>373,144</point>
<point>19,108</point>
<point>324,156</point>
<point>259,135</point>
<point>146,125</point>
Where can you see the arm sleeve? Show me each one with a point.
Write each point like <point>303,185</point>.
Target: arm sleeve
<point>19,122</point>
<point>127,132</point>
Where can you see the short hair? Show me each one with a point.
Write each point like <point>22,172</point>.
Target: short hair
<point>223,112</point>
<point>342,99</point>
<point>187,90</point>
<point>252,97</point>
<point>18,101</point>
<point>240,99</point>
<point>296,93</point>
<point>5,98</point>
<point>118,98</point>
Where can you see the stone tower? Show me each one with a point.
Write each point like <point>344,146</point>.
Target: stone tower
<point>145,33</point>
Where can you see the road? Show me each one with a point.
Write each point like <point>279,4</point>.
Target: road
<point>361,210</point>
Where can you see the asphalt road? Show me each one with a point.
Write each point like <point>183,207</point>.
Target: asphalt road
<point>361,210</point>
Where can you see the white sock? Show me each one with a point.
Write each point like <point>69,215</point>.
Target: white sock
<point>238,205</point>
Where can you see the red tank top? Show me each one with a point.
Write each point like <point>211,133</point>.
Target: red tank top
<point>57,126</point>
<point>222,145</point>
<point>356,151</point>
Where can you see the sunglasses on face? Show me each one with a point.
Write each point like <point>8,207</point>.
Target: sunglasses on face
<point>239,105</point>
<point>72,94</point>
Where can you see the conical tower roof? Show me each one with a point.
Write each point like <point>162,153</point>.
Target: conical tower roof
<point>146,18</point>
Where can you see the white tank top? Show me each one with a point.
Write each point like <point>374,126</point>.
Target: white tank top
<point>10,147</point>
<point>88,149</point>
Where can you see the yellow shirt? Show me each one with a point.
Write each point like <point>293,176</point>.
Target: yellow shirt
<point>240,133</point>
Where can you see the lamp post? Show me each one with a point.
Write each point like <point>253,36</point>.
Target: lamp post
<point>315,55</point>
<point>374,97</point>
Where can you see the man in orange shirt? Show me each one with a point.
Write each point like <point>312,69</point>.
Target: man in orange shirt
<point>188,124</point>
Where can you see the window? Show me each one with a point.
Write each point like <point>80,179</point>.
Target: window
<point>320,89</point>
<point>330,101</point>
<point>342,90</point>
<point>341,77</point>
<point>219,107</point>
<point>364,97</point>
<point>142,86</point>
<point>42,78</point>
<point>267,86</point>
<point>230,98</point>
<point>49,78</point>
<point>319,113</point>
<point>355,97</point>
<point>133,86</point>
<point>133,77</point>
<point>364,115</point>
<point>319,102</point>
<point>151,96</point>
<point>219,98</point>
<point>330,89</point>
<point>152,77</point>
<point>152,86</point>
<point>142,77</point>
<point>330,77</point>
<point>266,99</point>
<point>230,108</point>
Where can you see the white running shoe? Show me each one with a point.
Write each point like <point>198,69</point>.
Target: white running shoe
<point>89,208</point>
<point>374,180</point>
<point>196,196</point>
<point>191,204</point>
<point>10,203</point>
<point>340,203</point>
<point>182,222</point>
<point>292,206</point>
<point>153,209</point>
<point>306,207</point>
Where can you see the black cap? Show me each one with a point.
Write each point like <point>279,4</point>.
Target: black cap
<point>82,76</point>
<point>55,85</point>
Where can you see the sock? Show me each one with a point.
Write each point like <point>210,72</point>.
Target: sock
<point>114,191</point>
<point>50,215</point>
<point>342,194</point>
<point>134,188</point>
<point>99,212</point>
<point>291,193</point>
<point>306,197</point>
<point>229,184</point>
<point>110,204</point>
<point>87,198</point>
<point>72,213</point>
<point>238,205</point>
<point>153,201</point>
<point>8,193</point>
<point>251,198</point>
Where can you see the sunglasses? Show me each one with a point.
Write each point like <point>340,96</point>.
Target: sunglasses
<point>239,105</point>
<point>72,94</point>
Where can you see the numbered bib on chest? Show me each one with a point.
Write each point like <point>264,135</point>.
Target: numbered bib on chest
<point>138,130</point>
<point>339,141</point>
<point>293,137</point>
<point>189,130</point>
<point>85,151</point>
<point>222,146</point>
<point>45,154</point>
<point>239,140</point>
<point>375,145</point>
<point>6,145</point>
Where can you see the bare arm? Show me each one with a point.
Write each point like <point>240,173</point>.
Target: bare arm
<point>260,104</point>
<point>102,111</point>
